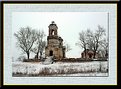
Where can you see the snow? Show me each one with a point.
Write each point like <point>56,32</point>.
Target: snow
<point>85,74</point>
<point>59,68</point>
<point>48,60</point>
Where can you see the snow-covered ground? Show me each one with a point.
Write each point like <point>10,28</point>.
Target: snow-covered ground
<point>84,74</point>
<point>93,68</point>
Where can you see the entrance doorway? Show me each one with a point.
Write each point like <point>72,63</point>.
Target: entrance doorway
<point>51,53</point>
<point>90,56</point>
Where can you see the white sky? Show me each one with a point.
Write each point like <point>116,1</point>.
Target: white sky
<point>69,25</point>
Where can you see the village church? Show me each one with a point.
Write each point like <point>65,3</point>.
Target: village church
<point>54,43</point>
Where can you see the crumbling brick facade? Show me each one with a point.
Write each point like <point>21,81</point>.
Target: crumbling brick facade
<point>89,54</point>
<point>54,43</point>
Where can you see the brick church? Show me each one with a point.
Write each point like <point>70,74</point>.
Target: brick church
<point>54,43</point>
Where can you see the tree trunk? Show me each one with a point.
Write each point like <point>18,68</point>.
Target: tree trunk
<point>94,54</point>
<point>40,53</point>
<point>27,55</point>
<point>37,55</point>
<point>106,54</point>
<point>85,53</point>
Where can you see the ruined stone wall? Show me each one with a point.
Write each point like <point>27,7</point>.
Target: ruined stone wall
<point>57,52</point>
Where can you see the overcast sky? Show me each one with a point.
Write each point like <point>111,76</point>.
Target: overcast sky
<point>69,25</point>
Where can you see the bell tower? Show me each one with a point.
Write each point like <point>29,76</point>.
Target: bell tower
<point>54,43</point>
<point>53,29</point>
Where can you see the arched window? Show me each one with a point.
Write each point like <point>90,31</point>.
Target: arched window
<point>53,32</point>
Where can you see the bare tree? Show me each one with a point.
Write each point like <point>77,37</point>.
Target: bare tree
<point>104,44</point>
<point>39,44</point>
<point>25,39</point>
<point>83,41</point>
<point>91,40</point>
<point>68,48</point>
<point>95,39</point>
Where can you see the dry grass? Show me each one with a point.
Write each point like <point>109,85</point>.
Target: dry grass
<point>38,69</point>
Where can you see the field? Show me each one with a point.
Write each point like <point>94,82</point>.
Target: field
<point>38,69</point>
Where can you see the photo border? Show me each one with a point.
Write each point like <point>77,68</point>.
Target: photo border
<point>9,2</point>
